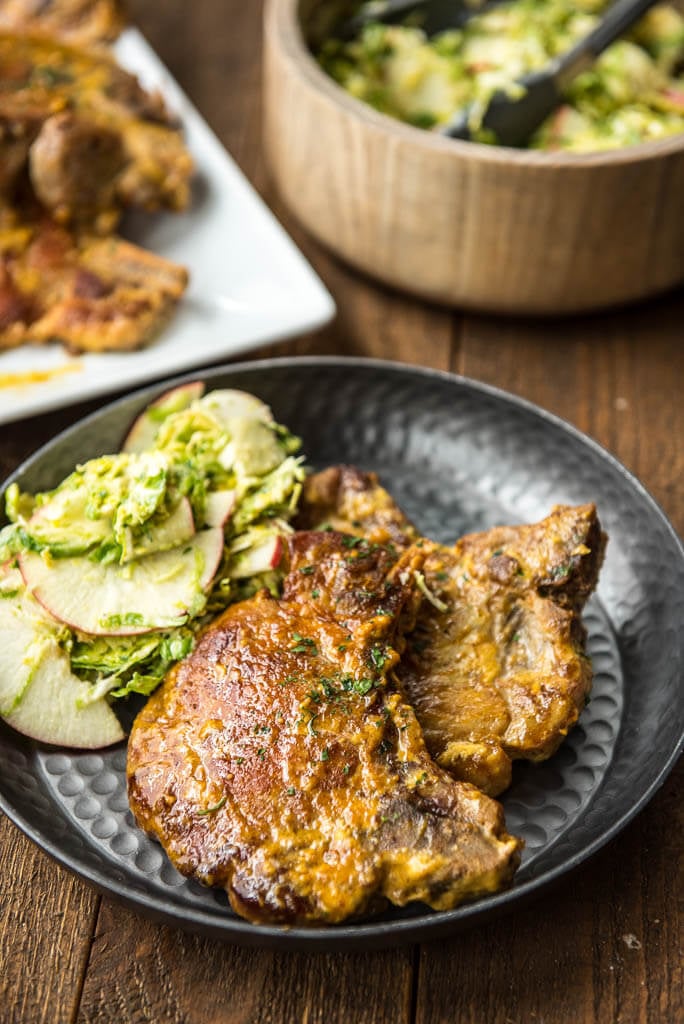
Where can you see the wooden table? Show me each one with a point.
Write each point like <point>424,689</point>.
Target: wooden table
<point>605,947</point>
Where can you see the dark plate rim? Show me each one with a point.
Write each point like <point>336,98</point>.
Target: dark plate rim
<point>367,934</point>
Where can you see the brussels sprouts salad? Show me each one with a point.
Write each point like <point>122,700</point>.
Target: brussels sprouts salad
<point>634,93</point>
<point>106,580</point>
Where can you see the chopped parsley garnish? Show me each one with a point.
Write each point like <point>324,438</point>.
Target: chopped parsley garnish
<point>325,755</point>
<point>378,657</point>
<point>304,645</point>
<point>52,76</point>
<point>352,542</point>
<point>363,686</point>
<point>560,572</point>
<point>327,687</point>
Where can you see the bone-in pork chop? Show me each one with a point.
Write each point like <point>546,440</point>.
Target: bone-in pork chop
<point>92,294</point>
<point>496,669</point>
<point>280,763</point>
<point>90,138</point>
<point>344,498</point>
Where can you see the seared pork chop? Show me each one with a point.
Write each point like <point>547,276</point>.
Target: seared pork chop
<point>108,128</point>
<point>92,294</point>
<point>501,673</point>
<point>496,669</point>
<point>346,499</point>
<point>279,762</point>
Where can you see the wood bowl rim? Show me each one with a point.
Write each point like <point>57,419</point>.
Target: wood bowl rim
<point>284,16</point>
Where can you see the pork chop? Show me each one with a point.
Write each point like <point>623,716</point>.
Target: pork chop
<point>93,294</point>
<point>346,499</point>
<point>107,126</point>
<point>279,761</point>
<point>496,667</point>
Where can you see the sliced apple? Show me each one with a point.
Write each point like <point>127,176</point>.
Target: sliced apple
<point>253,449</point>
<point>144,429</point>
<point>219,507</point>
<point>152,593</point>
<point>50,708</point>
<point>228,404</point>
<point>176,529</point>
<point>63,525</point>
<point>39,695</point>
<point>23,638</point>
<point>263,557</point>
<point>11,579</point>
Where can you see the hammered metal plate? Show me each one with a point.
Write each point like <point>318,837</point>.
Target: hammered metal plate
<point>458,456</point>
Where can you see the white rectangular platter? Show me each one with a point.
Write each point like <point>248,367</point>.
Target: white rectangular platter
<point>249,284</point>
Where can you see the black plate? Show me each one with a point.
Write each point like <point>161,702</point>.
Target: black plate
<point>458,456</point>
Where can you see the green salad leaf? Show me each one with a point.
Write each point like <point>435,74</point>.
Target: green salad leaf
<point>119,511</point>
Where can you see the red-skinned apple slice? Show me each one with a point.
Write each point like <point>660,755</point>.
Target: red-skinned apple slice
<point>262,557</point>
<point>152,593</point>
<point>220,505</point>
<point>50,708</point>
<point>39,695</point>
<point>144,429</point>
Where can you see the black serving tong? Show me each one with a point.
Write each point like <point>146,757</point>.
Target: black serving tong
<point>510,119</point>
<point>432,16</point>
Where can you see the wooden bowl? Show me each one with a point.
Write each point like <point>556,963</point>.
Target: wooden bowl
<point>461,223</point>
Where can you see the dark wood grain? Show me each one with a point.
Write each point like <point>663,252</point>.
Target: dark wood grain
<point>615,376</point>
<point>47,919</point>
<point>179,978</point>
<point>604,947</point>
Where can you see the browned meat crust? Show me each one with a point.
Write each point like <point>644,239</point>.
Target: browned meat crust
<point>501,673</point>
<point>76,21</point>
<point>279,762</point>
<point>92,294</point>
<point>346,499</point>
<point>20,123</point>
<point>93,140</point>
<point>73,166</point>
